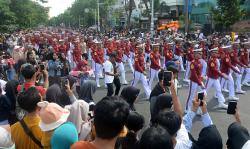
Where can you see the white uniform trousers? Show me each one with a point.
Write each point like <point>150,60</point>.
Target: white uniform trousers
<point>152,75</point>
<point>187,70</point>
<point>193,89</point>
<point>247,76</point>
<point>138,76</point>
<point>204,67</point>
<point>127,59</point>
<point>229,82</point>
<point>181,62</point>
<point>216,84</point>
<point>98,73</point>
<point>238,79</point>
<point>132,57</point>
<point>122,72</point>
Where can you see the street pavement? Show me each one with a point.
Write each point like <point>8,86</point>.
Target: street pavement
<point>219,117</point>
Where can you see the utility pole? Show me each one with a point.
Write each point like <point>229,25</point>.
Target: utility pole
<point>79,21</point>
<point>98,16</point>
<point>95,18</point>
<point>186,17</point>
<point>152,19</point>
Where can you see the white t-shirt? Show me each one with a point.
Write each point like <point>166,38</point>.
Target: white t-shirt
<point>108,67</point>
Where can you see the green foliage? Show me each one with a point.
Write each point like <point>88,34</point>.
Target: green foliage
<point>22,14</point>
<point>85,11</point>
<point>227,13</point>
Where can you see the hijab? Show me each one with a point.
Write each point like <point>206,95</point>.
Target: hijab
<point>209,138</point>
<point>87,90</point>
<point>238,136</point>
<point>129,94</point>
<point>54,94</point>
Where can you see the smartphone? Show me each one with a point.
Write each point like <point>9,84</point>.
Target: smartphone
<point>201,97</point>
<point>232,107</point>
<point>42,67</point>
<point>167,76</point>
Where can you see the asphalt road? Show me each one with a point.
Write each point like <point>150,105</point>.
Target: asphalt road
<point>219,117</point>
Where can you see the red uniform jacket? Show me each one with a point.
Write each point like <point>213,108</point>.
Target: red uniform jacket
<point>226,65</point>
<point>244,57</point>
<point>63,49</point>
<point>195,71</point>
<point>147,48</point>
<point>127,50</point>
<point>190,54</point>
<point>234,58</point>
<point>99,56</point>
<point>155,60</point>
<point>119,55</point>
<point>139,63</point>
<point>167,53</point>
<point>213,71</point>
<point>178,50</point>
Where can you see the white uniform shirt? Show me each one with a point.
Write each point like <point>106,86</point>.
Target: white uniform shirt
<point>108,67</point>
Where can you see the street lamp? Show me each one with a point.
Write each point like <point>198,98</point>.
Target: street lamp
<point>98,15</point>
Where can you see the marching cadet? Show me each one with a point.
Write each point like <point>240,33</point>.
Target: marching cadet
<point>213,75</point>
<point>190,58</point>
<point>235,61</point>
<point>155,64</point>
<point>167,52</point>
<point>244,58</point>
<point>178,54</point>
<point>227,68</point>
<point>140,73</point>
<point>126,55</point>
<point>196,79</point>
<point>119,62</point>
<point>147,51</point>
<point>98,57</point>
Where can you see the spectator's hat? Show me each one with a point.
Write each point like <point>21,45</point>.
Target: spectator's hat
<point>52,115</point>
<point>214,50</point>
<point>172,66</point>
<point>198,50</point>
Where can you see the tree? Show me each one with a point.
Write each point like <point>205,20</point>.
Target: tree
<point>227,13</point>
<point>7,18</point>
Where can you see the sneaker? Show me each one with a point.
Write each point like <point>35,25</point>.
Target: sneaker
<point>179,86</point>
<point>98,85</point>
<point>125,83</point>
<point>221,106</point>
<point>246,84</point>
<point>183,70</point>
<point>225,90</point>
<point>186,80</point>
<point>233,98</point>
<point>240,92</point>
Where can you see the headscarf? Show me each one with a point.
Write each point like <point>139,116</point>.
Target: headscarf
<point>209,138</point>
<point>87,90</point>
<point>54,94</point>
<point>129,94</point>
<point>64,136</point>
<point>237,136</point>
<point>79,111</point>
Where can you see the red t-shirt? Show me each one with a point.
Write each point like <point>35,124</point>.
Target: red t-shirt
<point>83,145</point>
<point>27,85</point>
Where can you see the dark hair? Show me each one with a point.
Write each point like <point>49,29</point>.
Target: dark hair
<point>135,121</point>
<point>156,138</point>
<point>28,71</point>
<point>171,121</point>
<point>162,102</point>
<point>11,92</point>
<point>28,99</point>
<point>129,94</point>
<point>161,74</point>
<point>110,117</point>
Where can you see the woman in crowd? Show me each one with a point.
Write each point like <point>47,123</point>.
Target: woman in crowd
<point>130,94</point>
<point>87,90</point>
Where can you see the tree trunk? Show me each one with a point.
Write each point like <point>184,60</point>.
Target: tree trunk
<point>130,9</point>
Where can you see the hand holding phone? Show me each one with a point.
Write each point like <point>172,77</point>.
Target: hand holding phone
<point>201,97</point>
<point>167,77</point>
<point>232,107</point>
